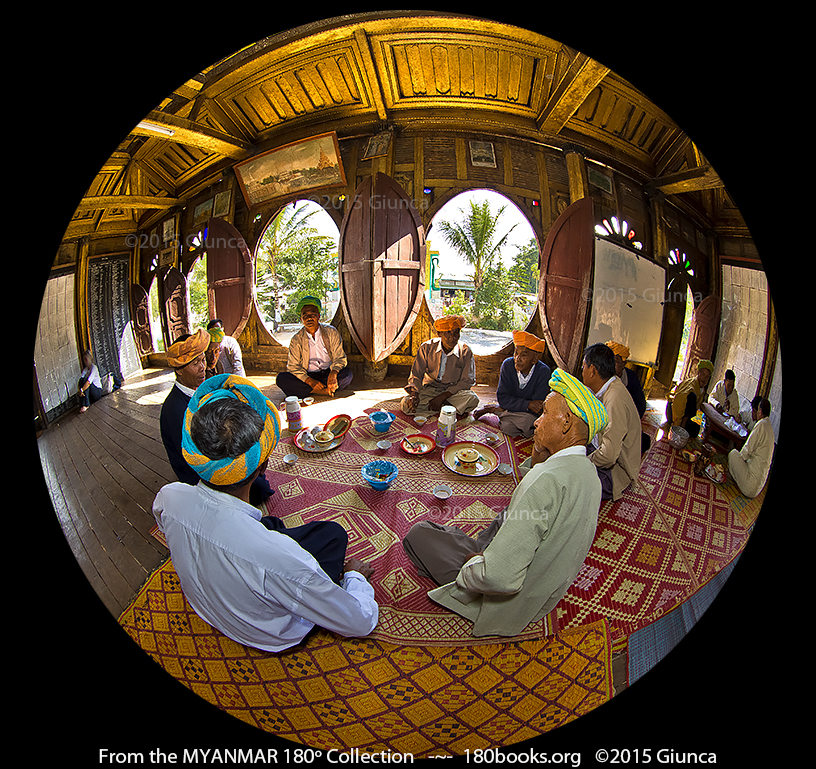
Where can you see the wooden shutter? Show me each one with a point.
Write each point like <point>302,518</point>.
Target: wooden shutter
<point>705,322</point>
<point>141,319</point>
<point>382,274</point>
<point>566,265</point>
<point>174,299</point>
<point>229,276</point>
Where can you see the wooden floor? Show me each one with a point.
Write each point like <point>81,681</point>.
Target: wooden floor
<point>103,468</point>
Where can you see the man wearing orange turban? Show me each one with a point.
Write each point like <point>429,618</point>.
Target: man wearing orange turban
<point>186,356</point>
<point>630,381</point>
<point>523,386</point>
<point>443,372</point>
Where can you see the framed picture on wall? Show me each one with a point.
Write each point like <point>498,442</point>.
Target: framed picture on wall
<point>305,165</point>
<point>377,146</point>
<point>482,154</point>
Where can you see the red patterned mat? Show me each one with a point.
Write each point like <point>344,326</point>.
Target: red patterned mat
<point>328,486</point>
<point>653,548</point>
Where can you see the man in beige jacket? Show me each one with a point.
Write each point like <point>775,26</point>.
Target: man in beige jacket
<point>617,447</point>
<point>317,363</point>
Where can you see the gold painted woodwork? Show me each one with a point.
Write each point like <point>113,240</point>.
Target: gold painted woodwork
<point>422,74</point>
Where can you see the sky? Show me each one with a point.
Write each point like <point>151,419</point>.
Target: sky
<point>450,263</point>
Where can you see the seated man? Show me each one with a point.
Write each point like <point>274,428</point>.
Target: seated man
<point>231,359</point>
<point>521,566</point>
<point>186,356</point>
<point>627,376</point>
<point>523,386</point>
<point>749,466</point>
<point>725,398</point>
<point>615,449</point>
<point>266,589</point>
<point>686,397</point>
<point>213,354</point>
<point>317,363</point>
<point>443,373</point>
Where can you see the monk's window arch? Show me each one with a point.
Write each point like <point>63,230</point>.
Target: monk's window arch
<point>296,255</point>
<point>496,290</point>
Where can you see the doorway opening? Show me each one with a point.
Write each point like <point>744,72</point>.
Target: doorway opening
<point>197,289</point>
<point>681,358</point>
<point>483,264</point>
<point>155,314</point>
<point>296,256</point>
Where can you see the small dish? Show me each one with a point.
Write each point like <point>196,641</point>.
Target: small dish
<point>383,445</point>
<point>504,469</point>
<point>308,401</point>
<point>420,420</point>
<point>467,456</point>
<point>324,436</point>
<point>442,491</point>
<point>290,459</point>
<point>418,444</point>
<point>491,439</point>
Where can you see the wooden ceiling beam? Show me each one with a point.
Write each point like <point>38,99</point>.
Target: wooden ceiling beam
<point>581,78</point>
<point>97,202</point>
<point>194,135</point>
<point>693,180</point>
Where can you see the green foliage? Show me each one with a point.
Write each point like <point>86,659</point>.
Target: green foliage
<point>525,273</point>
<point>293,259</point>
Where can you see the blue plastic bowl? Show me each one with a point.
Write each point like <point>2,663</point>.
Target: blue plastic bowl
<point>382,420</point>
<point>379,474</point>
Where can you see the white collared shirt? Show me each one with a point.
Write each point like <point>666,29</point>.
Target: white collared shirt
<point>319,357</point>
<point>258,587</point>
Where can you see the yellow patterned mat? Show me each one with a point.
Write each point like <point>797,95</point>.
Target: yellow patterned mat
<point>372,695</point>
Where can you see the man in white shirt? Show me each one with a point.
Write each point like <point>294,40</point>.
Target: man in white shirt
<point>259,583</point>
<point>750,465</point>
<point>725,398</point>
<point>317,363</point>
<point>231,359</point>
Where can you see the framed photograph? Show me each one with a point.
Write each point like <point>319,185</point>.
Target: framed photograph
<point>482,154</point>
<point>203,211</point>
<point>306,165</point>
<point>221,206</point>
<point>377,146</point>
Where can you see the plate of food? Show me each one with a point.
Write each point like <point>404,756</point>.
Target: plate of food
<point>716,473</point>
<point>417,444</point>
<point>318,439</point>
<point>470,458</point>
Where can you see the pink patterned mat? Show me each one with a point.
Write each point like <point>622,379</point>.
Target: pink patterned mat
<point>329,486</point>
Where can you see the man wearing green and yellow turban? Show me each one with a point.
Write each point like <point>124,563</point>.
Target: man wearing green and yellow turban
<point>317,363</point>
<point>686,398</point>
<point>523,563</point>
<point>259,582</point>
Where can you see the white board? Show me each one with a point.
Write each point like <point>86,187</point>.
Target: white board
<point>627,301</point>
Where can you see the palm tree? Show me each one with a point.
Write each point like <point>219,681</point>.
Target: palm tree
<point>474,237</point>
<point>279,239</point>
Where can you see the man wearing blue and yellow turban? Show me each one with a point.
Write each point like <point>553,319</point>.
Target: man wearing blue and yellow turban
<point>523,563</point>
<point>260,583</point>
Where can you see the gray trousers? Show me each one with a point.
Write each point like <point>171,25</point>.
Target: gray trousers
<point>439,551</point>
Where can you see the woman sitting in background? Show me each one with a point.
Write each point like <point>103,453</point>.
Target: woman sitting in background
<point>90,385</point>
